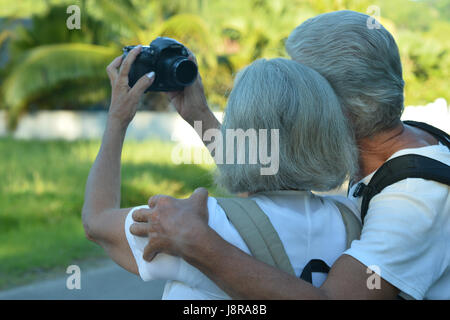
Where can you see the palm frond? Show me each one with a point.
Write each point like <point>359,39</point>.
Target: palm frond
<point>45,67</point>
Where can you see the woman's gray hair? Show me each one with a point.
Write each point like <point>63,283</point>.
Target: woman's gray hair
<point>362,65</point>
<point>316,147</point>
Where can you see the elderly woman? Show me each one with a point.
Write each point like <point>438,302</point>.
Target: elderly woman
<point>315,150</point>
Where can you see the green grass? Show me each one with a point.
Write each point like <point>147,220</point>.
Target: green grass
<point>41,195</point>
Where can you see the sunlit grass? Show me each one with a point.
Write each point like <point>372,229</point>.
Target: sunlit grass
<point>41,195</point>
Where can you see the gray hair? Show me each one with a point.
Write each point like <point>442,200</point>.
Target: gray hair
<point>361,64</point>
<point>316,146</point>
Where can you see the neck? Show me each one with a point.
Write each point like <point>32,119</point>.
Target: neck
<point>375,150</point>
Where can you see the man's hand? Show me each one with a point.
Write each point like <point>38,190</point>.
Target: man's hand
<point>124,100</point>
<point>173,226</point>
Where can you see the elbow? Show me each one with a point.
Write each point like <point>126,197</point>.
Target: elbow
<point>88,226</point>
<point>88,232</point>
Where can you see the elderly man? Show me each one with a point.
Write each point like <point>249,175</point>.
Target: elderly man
<point>407,227</point>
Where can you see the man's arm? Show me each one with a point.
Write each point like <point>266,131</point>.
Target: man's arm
<point>244,277</point>
<point>237,273</point>
<point>103,220</point>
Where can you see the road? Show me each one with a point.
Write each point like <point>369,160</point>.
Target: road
<point>107,282</point>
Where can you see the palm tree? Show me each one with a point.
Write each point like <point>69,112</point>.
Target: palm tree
<point>47,58</point>
<point>51,65</point>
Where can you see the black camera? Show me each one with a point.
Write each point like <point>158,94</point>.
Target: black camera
<point>168,59</point>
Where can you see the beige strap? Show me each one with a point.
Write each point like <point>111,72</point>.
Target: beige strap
<point>352,224</point>
<point>257,232</point>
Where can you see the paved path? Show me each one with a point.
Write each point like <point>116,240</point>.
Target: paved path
<point>108,282</point>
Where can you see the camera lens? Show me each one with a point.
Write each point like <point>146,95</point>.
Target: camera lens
<point>184,72</point>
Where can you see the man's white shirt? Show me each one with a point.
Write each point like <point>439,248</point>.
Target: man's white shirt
<point>406,232</point>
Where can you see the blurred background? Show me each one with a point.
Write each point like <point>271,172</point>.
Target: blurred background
<point>55,92</point>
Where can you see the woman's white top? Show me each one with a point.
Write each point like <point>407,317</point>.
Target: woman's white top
<point>309,226</point>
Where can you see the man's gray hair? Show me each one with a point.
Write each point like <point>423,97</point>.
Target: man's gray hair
<point>316,146</point>
<point>361,64</point>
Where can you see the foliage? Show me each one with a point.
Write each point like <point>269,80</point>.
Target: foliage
<point>225,35</point>
<point>45,68</point>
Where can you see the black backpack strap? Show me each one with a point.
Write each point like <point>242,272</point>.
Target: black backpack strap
<point>314,265</point>
<point>440,135</point>
<point>400,168</point>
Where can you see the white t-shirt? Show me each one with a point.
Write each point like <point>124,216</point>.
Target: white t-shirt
<point>406,232</point>
<point>309,226</point>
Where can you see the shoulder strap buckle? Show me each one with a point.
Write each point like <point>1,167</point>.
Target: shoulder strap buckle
<point>361,190</point>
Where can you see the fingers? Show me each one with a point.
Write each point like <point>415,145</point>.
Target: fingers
<point>139,229</point>
<point>112,69</point>
<point>141,215</point>
<point>194,59</point>
<point>150,250</point>
<point>126,65</point>
<point>200,195</point>
<point>142,84</point>
<point>157,199</point>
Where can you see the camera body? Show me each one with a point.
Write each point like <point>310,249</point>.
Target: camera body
<point>168,59</point>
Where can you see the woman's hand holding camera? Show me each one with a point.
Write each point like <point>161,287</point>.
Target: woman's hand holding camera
<point>191,103</point>
<point>124,100</point>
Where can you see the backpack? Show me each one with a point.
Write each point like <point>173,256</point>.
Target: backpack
<point>263,241</point>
